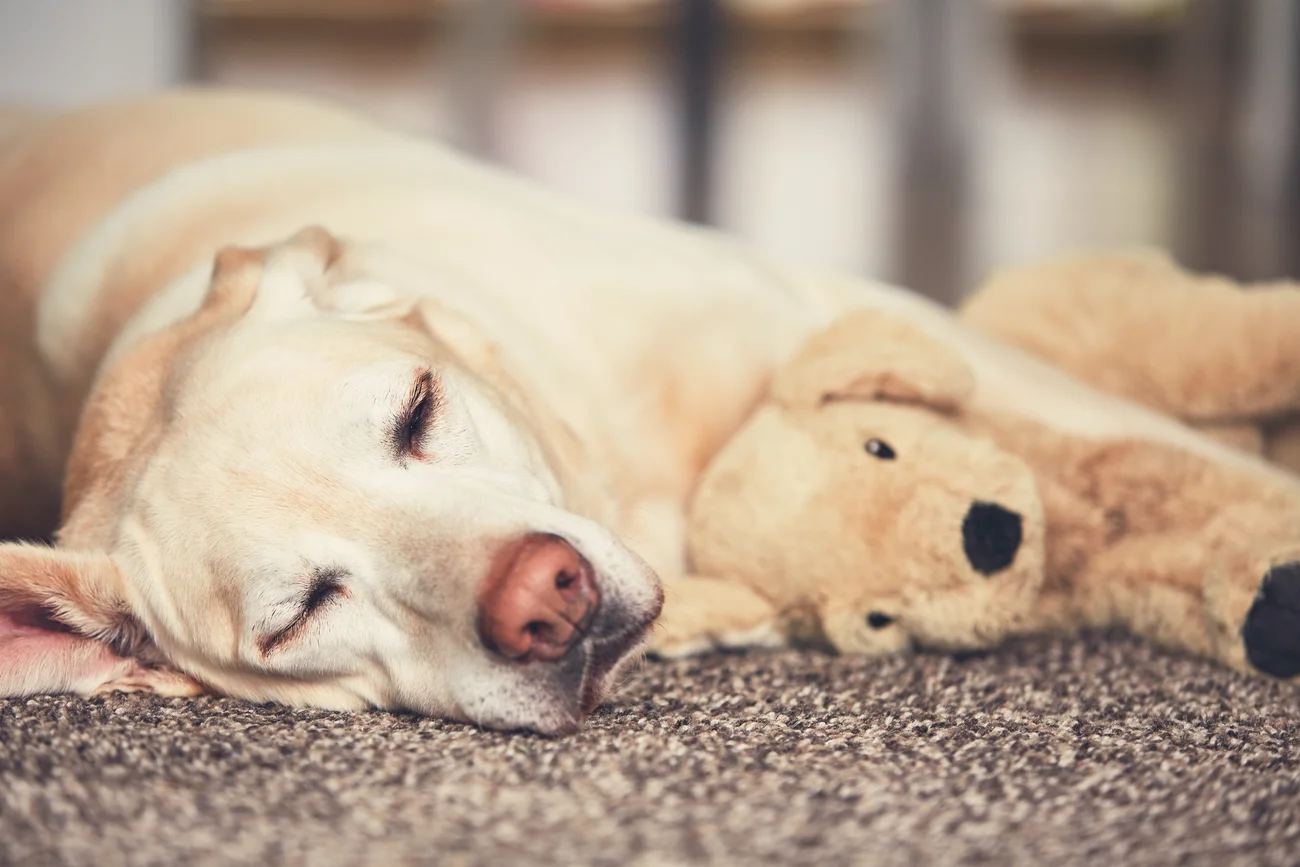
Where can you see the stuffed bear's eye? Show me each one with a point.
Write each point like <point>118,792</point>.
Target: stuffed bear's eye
<point>880,449</point>
<point>877,620</point>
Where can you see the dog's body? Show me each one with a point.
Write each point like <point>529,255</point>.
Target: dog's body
<point>588,365</point>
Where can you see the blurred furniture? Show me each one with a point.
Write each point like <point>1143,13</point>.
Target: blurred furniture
<point>480,41</point>
<point>1238,86</point>
<point>1235,84</point>
<point>700,35</point>
<point>939,52</point>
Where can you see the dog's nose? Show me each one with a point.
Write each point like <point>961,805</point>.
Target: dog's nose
<point>538,600</point>
<point>991,536</point>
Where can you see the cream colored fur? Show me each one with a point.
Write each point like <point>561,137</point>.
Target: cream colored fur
<point>232,440</point>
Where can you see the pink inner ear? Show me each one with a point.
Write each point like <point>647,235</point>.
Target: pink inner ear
<point>40,655</point>
<point>22,619</point>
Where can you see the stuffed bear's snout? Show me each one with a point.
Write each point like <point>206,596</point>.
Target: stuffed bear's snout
<point>991,537</point>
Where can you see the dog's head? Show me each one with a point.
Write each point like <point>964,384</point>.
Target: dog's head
<point>317,490</point>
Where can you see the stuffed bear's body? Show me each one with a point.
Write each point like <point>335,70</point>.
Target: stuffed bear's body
<point>871,505</point>
<point>1168,544</point>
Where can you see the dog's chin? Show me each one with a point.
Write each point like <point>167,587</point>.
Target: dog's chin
<point>556,699</point>
<point>602,684</point>
<point>608,667</point>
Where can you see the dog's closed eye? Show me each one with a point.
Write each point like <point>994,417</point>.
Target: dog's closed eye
<point>413,422</point>
<point>326,587</point>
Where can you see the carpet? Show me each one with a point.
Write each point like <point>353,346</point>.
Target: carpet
<point>1057,752</point>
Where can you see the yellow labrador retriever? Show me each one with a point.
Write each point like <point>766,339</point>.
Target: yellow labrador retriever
<point>344,419</point>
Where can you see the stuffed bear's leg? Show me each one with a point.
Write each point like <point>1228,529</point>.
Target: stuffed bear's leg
<point>1228,590</point>
<point>1252,587</point>
<point>1195,347</point>
<point>703,614</point>
<point>1150,585</point>
<point>1252,605</point>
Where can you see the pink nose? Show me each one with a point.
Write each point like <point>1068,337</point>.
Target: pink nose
<point>537,601</point>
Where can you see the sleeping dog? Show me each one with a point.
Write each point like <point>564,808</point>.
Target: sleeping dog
<point>340,418</point>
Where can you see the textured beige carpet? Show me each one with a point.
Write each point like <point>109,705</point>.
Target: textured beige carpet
<point>1100,751</point>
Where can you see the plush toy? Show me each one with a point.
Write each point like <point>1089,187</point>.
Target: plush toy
<point>1136,325</point>
<point>870,505</point>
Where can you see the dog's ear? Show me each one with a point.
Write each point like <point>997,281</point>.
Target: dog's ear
<point>298,276</point>
<point>868,355</point>
<point>278,281</point>
<point>64,627</point>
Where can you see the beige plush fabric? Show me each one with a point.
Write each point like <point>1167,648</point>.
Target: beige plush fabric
<point>1051,752</point>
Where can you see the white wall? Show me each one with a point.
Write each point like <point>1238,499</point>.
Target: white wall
<point>61,53</point>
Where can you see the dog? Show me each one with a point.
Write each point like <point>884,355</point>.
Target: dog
<point>340,418</point>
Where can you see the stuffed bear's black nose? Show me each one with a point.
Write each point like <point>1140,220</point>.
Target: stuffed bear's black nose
<point>991,536</point>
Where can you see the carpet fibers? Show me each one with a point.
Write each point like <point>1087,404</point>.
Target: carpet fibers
<point>1050,752</point>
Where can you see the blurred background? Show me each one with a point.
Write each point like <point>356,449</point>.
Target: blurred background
<point>922,141</point>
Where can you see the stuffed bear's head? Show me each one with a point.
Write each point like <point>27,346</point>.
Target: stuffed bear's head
<point>856,502</point>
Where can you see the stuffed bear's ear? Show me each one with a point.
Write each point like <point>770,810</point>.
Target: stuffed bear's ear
<point>868,355</point>
<point>64,627</point>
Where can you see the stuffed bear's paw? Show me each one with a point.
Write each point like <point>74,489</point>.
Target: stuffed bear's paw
<point>706,614</point>
<point>1271,633</point>
<point>665,645</point>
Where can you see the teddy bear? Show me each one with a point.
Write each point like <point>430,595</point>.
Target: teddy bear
<point>1133,323</point>
<point>871,505</point>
